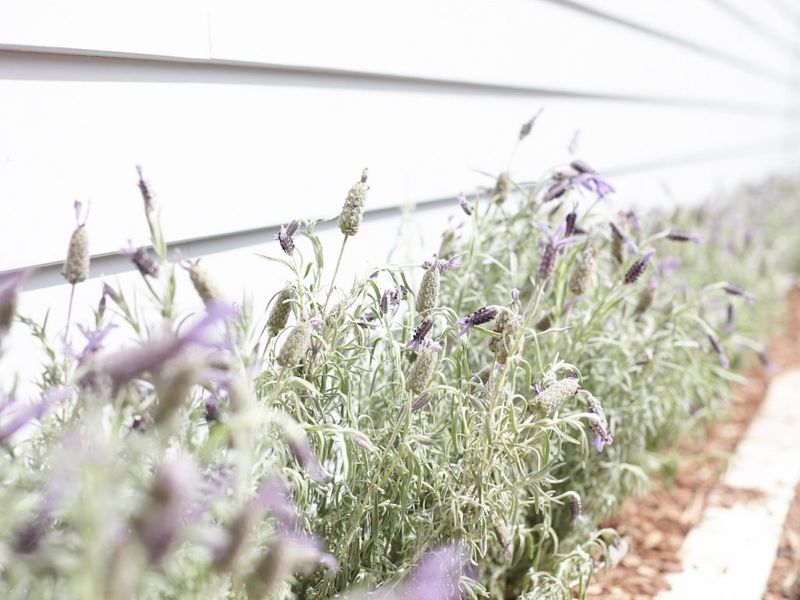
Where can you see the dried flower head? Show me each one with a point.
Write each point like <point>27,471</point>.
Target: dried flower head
<point>353,208</point>
<point>505,539</point>
<point>423,368</point>
<point>296,345</point>
<point>637,268</point>
<point>582,274</point>
<point>602,437</point>
<point>76,267</point>
<point>645,301</point>
<point>285,236</point>
<point>279,315</point>
<point>428,295</point>
<point>553,397</point>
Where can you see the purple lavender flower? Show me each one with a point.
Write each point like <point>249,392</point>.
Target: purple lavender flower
<point>159,525</point>
<point>436,577</point>
<point>421,402</point>
<point>286,236</point>
<point>592,182</point>
<point>419,334</point>
<point>735,290</point>
<point>682,236</point>
<point>558,189</point>
<point>569,222</point>
<point>629,217</point>
<point>128,364</point>
<point>638,267</point>
<point>555,241</point>
<point>668,264</point>
<point>526,128</point>
<point>32,412</point>
<point>716,345</point>
<point>147,197</point>
<point>729,319</point>
<point>465,206</point>
<point>94,342</point>
<point>141,259</point>
<point>768,365</point>
<point>479,317</point>
<point>442,265</point>
<point>581,166</point>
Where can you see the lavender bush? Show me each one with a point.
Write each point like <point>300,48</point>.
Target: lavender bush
<point>451,430</point>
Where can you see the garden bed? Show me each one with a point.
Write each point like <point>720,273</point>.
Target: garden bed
<point>654,526</point>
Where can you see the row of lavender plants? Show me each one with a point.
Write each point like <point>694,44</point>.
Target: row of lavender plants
<point>454,429</point>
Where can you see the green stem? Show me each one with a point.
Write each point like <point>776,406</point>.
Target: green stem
<point>335,273</point>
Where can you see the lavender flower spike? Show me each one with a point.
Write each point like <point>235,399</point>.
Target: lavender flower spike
<point>441,264</point>
<point>465,206</point>
<point>139,257</point>
<point>556,239</point>
<point>683,236</point>
<point>638,267</point>
<point>479,317</point>
<point>286,236</point>
<point>717,346</point>
<point>735,290</point>
<point>419,335</point>
<point>147,197</point>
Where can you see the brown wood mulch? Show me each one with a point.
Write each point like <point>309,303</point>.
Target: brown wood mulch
<point>654,525</point>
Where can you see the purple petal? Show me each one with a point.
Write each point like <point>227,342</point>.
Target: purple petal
<point>32,412</point>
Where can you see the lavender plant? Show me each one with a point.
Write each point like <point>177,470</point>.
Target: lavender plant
<point>452,432</point>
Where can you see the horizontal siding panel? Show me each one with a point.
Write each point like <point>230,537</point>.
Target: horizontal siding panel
<point>767,20</point>
<point>703,22</point>
<point>177,28</point>
<point>531,43</point>
<point>236,154</point>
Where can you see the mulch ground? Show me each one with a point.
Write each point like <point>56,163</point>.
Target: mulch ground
<point>653,526</point>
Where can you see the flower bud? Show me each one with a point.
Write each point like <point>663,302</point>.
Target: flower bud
<point>296,345</point>
<point>422,370</point>
<point>202,283</point>
<point>501,188</point>
<point>638,267</point>
<point>279,315</point>
<point>553,397</point>
<point>582,274</point>
<point>76,268</point>
<point>428,295</point>
<point>599,425</point>
<point>353,209</point>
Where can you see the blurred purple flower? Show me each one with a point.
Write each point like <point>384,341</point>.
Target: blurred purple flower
<point>682,236</point>
<point>147,197</point>
<point>442,264</point>
<point>668,264</point>
<point>735,290</point>
<point>141,259</point>
<point>30,412</point>
<point>716,345</point>
<point>465,206</point>
<point>130,363</point>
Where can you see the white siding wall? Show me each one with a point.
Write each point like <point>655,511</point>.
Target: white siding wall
<point>248,113</point>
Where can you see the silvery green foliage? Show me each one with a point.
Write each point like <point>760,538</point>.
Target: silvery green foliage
<point>336,442</point>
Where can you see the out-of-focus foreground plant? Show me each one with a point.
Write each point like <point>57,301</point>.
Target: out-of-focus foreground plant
<point>456,428</point>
